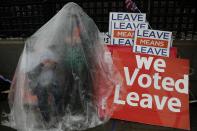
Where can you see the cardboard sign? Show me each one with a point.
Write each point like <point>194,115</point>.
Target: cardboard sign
<point>126,17</point>
<point>105,37</point>
<point>128,49</point>
<point>123,32</point>
<point>152,42</point>
<point>156,90</point>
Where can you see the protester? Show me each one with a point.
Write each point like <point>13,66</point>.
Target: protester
<point>63,77</point>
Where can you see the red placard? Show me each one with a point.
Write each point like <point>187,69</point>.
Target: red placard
<point>156,91</point>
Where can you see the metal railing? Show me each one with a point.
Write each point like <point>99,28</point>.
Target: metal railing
<point>21,18</point>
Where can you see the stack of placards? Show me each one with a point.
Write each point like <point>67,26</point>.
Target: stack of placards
<point>122,27</point>
<point>155,81</point>
<point>132,29</point>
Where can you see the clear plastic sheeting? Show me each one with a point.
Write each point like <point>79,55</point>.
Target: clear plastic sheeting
<point>64,76</point>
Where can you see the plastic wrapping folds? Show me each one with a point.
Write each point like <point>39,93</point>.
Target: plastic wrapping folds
<point>64,76</point>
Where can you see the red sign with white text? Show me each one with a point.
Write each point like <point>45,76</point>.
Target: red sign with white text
<point>156,91</point>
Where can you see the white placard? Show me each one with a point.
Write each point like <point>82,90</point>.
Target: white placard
<point>123,32</point>
<point>152,42</point>
<point>127,17</point>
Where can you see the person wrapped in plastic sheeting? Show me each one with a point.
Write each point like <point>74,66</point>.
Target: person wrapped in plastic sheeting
<point>63,77</point>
